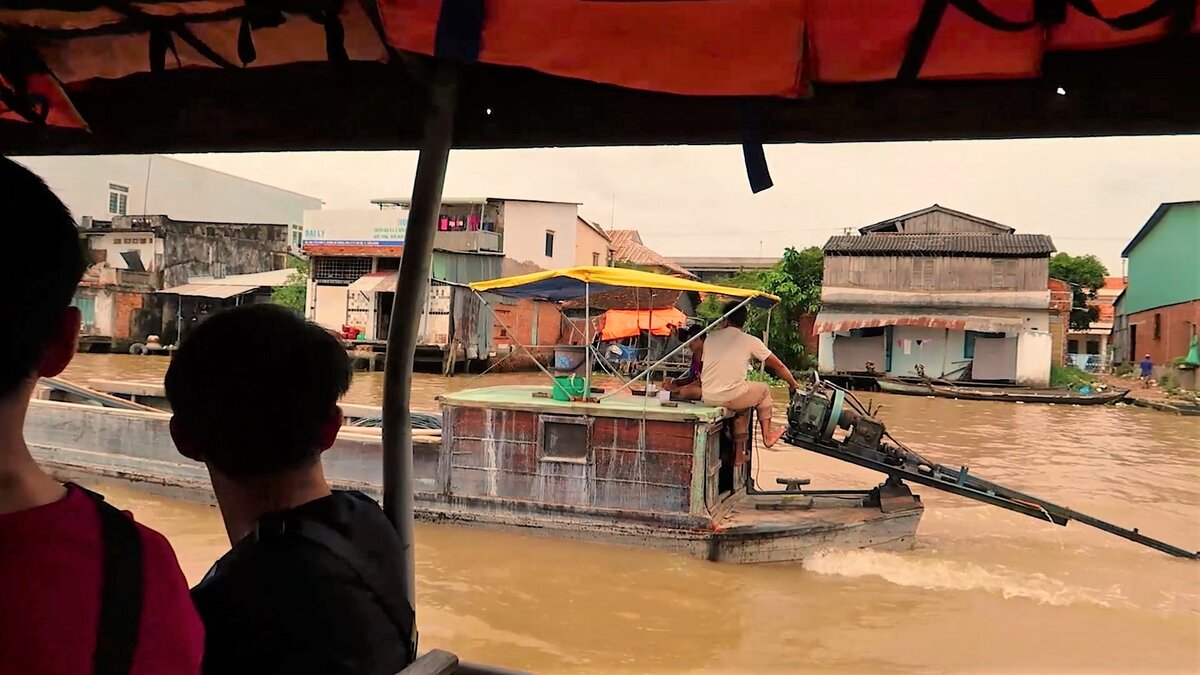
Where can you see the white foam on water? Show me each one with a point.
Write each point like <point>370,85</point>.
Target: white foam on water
<point>955,575</point>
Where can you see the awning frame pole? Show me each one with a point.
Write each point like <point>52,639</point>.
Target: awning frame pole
<point>762,366</point>
<point>587,336</point>
<point>407,305</point>
<point>678,349</point>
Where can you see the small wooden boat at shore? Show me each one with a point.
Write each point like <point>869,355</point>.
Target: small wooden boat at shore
<point>1002,394</point>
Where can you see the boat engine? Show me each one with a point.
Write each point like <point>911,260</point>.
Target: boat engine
<point>815,414</point>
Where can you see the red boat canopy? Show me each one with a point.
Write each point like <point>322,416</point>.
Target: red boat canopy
<point>774,48</point>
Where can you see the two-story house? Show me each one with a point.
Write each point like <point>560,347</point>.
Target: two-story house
<point>1159,311</point>
<point>938,292</point>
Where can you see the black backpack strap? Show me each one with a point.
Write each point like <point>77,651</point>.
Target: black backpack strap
<point>386,590</point>
<point>121,589</point>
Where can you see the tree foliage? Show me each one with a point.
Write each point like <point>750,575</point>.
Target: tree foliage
<point>1085,274</point>
<point>796,279</point>
<point>294,294</point>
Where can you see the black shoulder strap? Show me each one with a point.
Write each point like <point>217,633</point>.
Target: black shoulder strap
<point>121,590</point>
<point>386,590</point>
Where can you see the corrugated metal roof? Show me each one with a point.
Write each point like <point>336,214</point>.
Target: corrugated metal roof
<point>375,282</point>
<point>628,247</point>
<point>835,322</point>
<point>216,291</point>
<point>269,278</point>
<point>1010,245</point>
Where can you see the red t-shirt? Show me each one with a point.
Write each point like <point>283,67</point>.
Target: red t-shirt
<point>50,583</point>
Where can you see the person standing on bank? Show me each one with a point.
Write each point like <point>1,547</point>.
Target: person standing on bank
<point>728,352</point>
<point>311,584</point>
<point>1147,366</point>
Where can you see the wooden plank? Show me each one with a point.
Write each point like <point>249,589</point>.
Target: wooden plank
<point>653,467</point>
<point>660,435</point>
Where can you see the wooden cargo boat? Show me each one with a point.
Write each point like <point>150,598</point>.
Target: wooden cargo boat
<point>627,468</point>
<point>1003,394</point>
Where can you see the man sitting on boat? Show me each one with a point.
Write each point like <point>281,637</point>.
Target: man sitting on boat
<point>687,387</point>
<point>727,355</point>
<point>310,585</point>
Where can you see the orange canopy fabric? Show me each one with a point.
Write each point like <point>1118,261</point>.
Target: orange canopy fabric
<point>692,47</point>
<point>623,323</point>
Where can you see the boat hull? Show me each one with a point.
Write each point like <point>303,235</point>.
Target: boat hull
<point>97,445</point>
<point>1001,394</point>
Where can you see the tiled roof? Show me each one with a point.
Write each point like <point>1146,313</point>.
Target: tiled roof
<point>1010,245</point>
<point>628,247</point>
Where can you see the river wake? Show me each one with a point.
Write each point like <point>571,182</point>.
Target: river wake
<point>955,575</point>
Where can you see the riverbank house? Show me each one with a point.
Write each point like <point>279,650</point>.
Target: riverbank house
<point>355,257</point>
<point>1160,309</point>
<point>940,293</point>
<point>133,259</point>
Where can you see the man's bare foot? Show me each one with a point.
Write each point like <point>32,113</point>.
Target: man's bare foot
<point>771,440</point>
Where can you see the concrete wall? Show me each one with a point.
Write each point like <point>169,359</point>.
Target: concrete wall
<point>161,184</point>
<point>113,244</point>
<point>1034,353</point>
<point>202,249</point>
<point>590,246</point>
<point>525,227</point>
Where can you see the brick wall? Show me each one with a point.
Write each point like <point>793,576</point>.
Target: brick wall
<point>125,305</point>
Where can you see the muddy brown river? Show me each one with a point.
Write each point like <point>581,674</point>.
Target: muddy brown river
<point>985,590</point>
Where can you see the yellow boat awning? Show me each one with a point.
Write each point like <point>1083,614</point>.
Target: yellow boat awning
<point>574,282</point>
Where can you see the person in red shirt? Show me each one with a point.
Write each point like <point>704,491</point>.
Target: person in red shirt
<point>83,589</point>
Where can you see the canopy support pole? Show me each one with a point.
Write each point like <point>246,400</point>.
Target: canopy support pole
<point>407,307</point>
<point>587,336</point>
<point>678,349</point>
<point>762,366</point>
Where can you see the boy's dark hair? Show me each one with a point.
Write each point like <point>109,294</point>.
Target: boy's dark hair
<point>39,279</point>
<point>253,387</point>
<point>738,318</point>
<point>688,332</point>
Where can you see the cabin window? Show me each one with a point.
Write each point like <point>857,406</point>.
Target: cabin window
<point>564,439</point>
<point>1004,274</point>
<point>922,273</point>
<point>118,199</point>
<point>549,244</point>
<point>972,335</point>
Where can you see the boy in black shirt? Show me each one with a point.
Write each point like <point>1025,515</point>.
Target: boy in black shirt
<point>310,585</point>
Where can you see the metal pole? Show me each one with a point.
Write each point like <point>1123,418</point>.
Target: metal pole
<point>406,313</point>
<point>762,365</point>
<point>587,337</point>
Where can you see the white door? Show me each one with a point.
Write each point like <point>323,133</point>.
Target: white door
<point>330,310</point>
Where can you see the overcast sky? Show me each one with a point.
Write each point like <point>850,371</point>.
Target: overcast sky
<point>1090,195</point>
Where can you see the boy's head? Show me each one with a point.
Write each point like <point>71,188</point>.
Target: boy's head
<point>738,318</point>
<point>254,391</point>
<point>38,327</point>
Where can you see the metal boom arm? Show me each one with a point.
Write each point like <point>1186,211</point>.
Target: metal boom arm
<point>812,418</point>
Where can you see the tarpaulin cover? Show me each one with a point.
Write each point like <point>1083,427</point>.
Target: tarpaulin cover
<point>623,323</point>
<point>690,47</point>
<point>574,282</point>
